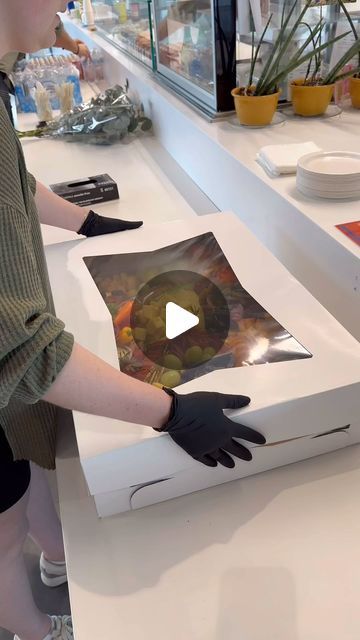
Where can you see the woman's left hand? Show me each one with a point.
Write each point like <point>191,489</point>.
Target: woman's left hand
<point>95,225</point>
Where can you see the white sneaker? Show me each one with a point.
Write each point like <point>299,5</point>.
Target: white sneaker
<point>53,574</point>
<point>61,629</point>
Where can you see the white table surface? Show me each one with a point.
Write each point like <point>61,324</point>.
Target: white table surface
<point>274,556</point>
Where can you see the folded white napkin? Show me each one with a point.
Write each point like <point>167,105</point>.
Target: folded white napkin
<point>279,159</point>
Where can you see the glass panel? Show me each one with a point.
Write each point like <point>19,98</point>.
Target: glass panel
<point>185,40</point>
<point>126,23</point>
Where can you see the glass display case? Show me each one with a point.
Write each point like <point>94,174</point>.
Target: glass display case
<point>127,24</point>
<point>195,44</point>
<point>202,48</point>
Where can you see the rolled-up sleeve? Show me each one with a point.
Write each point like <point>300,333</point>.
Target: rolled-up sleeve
<point>34,347</point>
<point>32,183</point>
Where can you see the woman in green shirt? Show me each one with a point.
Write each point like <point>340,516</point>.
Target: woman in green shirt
<point>42,367</point>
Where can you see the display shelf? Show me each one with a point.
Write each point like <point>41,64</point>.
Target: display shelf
<point>126,24</point>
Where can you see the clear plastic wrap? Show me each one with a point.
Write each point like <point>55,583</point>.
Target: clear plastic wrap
<point>254,337</point>
<point>106,119</point>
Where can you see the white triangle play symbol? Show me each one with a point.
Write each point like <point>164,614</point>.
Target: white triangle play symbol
<point>178,320</point>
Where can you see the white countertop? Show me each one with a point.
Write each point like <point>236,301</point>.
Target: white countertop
<point>152,186</point>
<point>145,174</point>
<point>333,134</point>
<point>274,556</point>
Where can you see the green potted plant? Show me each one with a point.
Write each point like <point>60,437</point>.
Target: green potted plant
<point>312,94</point>
<point>355,75</point>
<point>256,103</point>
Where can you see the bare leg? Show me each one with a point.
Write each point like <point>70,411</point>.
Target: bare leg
<point>18,611</point>
<point>45,526</point>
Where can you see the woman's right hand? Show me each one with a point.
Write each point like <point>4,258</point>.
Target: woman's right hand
<point>83,50</point>
<point>198,425</point>
<point>195,421</point>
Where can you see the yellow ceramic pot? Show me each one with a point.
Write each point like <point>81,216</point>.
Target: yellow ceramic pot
<point>254,111</point>
<point>355,92</point>
<point>310,100</point>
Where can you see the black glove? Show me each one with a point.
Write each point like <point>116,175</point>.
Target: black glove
<point>96,225</point>
<point>198,425</point>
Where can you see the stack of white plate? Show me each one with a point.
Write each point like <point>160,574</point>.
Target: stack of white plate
<point>334,175</point>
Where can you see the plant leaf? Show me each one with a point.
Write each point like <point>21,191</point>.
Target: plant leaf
<point>348,55</point>
<point>252,58</point>
<point>347,74</point>
<point>277,44</point>
<point>298,54</point>
<point>281,45</point>
<point>349,19</point>
<point>255,57</point>
<point>296,62</point>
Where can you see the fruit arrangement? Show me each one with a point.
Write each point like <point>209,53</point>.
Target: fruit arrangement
<point>254,336</point>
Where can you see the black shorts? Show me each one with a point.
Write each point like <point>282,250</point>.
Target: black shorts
<point>14,476</point>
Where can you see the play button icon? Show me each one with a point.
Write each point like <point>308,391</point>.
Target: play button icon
<point>178,320</point>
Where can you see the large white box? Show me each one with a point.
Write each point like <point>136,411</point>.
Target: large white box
<point>294,403</point>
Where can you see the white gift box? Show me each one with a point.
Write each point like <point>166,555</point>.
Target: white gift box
<point>304,407</point>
